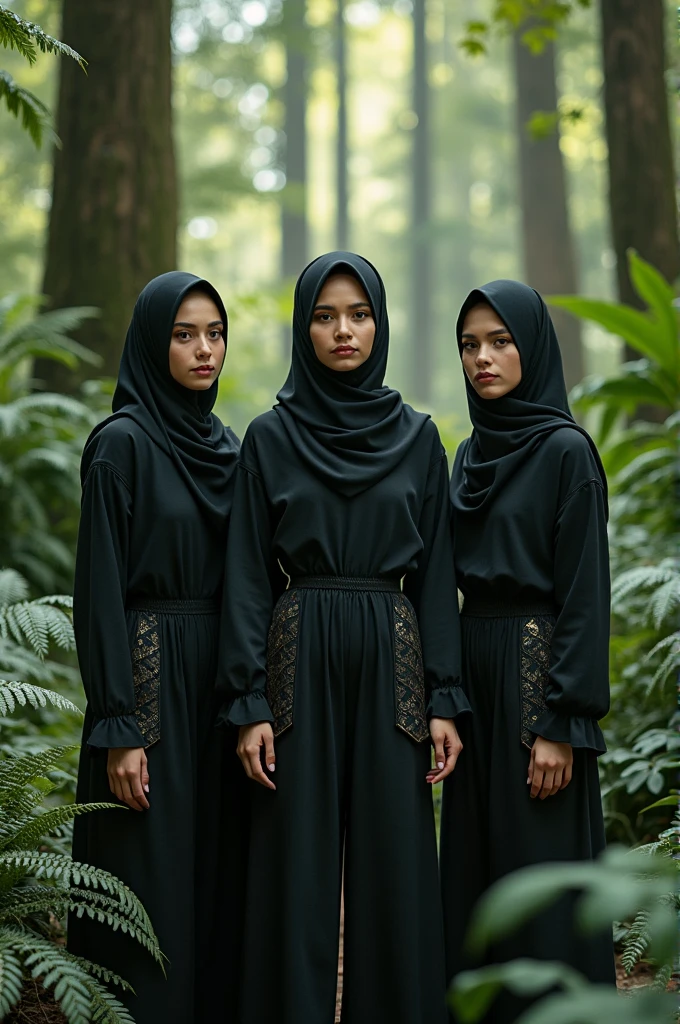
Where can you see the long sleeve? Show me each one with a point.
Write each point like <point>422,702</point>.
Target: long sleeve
<point>431,588</point>
<point>99,609</point>
<point>252,585</point>
<point>578,689</point>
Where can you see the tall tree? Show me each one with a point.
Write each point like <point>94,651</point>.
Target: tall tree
<point>342,186</point>
<point>421,265</point>
<point>294,241</point>
<point>641,178</point>
<point>113,220</point>
<point>547,242</point>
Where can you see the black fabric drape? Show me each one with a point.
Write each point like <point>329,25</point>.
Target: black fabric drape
<point>178,420</point>
<point>507,430</point>
<point>349,429</point>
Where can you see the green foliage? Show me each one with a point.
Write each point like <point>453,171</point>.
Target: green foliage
<point>27,38</point>
<point>23,105</point>
<point>39,884</point>
<point>41,438</point>
<point>619,885</point>
<point>641,459</point>
<point>540,19</point>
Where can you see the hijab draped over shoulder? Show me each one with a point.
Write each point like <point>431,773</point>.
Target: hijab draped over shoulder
<point>178,420</point>
<point>508,430</point>
<point>348,428</point>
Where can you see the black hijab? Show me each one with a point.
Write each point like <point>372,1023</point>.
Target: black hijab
<point>507,430</point>
<point>180,421</point>
<point>349,429</point>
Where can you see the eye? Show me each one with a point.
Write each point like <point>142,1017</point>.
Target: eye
<point>324,318</point>
<point>469,345</point>
<point>361,314</point>
<point>215,334</point>
<point>503,342</point>
<point>183,335</point>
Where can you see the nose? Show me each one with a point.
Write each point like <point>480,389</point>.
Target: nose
<point>344,328</point>
<point>483,357</point>
<point>204,350</point>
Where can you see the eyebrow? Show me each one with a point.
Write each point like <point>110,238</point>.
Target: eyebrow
<point>355,305</point>
<point>499,330</point>
<point>213,323</point>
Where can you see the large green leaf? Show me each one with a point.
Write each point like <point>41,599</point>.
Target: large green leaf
<point>601,1004</point>
<point>473,992</point>
<point>658,294</point>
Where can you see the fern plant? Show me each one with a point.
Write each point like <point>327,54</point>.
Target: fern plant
<point>41,438</point>
<point>641,459</point>
<point>38,881</point>
<point>27,39</point>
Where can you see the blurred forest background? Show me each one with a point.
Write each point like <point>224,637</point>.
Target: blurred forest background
<point>450,142</point>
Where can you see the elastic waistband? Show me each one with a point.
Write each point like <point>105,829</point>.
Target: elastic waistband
<point>174,607</point>
<point>344,583</point>
<point>480,609</point>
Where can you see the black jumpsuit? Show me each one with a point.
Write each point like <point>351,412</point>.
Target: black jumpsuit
<point>347,688</point>
<point>148,582</point>
<point>534,571</point>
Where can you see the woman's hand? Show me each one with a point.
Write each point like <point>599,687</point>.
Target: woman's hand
<point>549,768</point>
<point>447,747</point>
<point>251,740</point>
<point>129,776</point>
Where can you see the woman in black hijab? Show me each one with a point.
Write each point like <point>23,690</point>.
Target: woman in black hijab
<point>157,488</point>
<point>530,544</point>
<point>344,488</point>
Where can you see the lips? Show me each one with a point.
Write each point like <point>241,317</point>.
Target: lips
<point>486,378</point>
<point>344,350</point>
<point>203,371</point>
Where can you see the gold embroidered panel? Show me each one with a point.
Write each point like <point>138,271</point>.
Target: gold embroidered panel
<point>534,666</point>
<point>282,647</point>
<point>146,673</point>
<point>409,676</point>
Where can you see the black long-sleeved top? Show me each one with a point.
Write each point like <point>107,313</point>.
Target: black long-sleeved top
<point>283,518</point>
<point>543,541</point>
<point>142,534</point>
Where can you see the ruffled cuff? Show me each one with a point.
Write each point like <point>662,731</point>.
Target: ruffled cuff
<point>579,732</point>
<point>447,702</point>
<point>117,731</point>
<point>246,710</point>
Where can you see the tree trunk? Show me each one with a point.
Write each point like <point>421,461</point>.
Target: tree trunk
<point>421,269</point>
<point>548,247</point>
<point>294,240</point>
<point>342,189</point>
<point>641,177</point>
<point>113,221</point>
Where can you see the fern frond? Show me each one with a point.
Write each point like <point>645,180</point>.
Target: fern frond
<point>13,692</point>
<point>17,771</point>
<point>29,834</point>
<point>13,587</point>
<point>664,601</point>
<point>23,105</point>
<point>47,335</point>
<point>49,822</point>
<point>11,974</point>
<point>131,919</point>
<point>37,623</point>
<point>24,36</point>
<point>636,941</point>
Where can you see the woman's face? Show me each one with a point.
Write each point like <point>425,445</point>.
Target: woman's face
<point>490,357</point>
<point>342,328</point>
<point>197,344</point>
